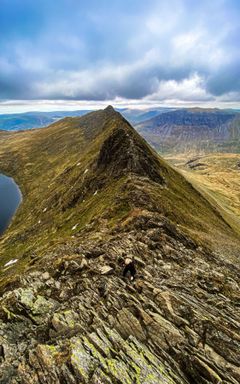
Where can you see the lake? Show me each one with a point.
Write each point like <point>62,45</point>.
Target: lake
<point>10,198</point>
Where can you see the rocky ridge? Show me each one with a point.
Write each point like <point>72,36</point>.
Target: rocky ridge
<point>75,319</point>
<point>70,316</point>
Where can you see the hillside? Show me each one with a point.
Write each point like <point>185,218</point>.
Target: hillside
<point>135,116</point>
<point>195,131</point>
<point>93,190</point>
<point>216,174</point>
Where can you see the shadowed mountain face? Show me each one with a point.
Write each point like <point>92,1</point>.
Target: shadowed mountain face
<point>194,130</point>
<point>93,189</point>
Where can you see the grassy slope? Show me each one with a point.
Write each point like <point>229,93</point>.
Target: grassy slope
<point>38,160</point>
<point>218,181</point>
<point>56,170</point>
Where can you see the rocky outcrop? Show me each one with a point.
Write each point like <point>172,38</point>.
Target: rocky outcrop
<point>195,164</point>
<point>123,152</point>
<point>76,319</point>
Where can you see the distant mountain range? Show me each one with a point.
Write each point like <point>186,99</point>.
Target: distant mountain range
<point>193,130</point>
<point>29,120</point>
<point>135,116</point>
<point>168,130</point>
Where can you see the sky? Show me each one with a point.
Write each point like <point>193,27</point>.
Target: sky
<point>78,54</point>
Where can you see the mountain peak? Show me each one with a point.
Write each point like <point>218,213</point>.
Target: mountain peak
<point>109,108</point>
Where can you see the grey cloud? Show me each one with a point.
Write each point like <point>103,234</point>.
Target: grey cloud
<point>224,81</point>
<point>132,58</point>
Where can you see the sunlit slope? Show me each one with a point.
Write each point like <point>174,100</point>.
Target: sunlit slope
<point>217,176</point>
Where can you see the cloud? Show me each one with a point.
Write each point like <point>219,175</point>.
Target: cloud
<point>190,89</point>
<point>177,50</point>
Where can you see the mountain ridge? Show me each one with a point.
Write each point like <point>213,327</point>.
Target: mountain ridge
<point>93,190</point>
<point>92,154</point>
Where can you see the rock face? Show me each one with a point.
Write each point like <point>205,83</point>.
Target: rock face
<point>182,326</point>
<point>70,317</point>
<point>122,153</point>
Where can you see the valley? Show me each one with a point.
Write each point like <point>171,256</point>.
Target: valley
<point>204,145</point>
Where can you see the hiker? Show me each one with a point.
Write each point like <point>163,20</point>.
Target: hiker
<point>129,266</point>
<point>203,338</point>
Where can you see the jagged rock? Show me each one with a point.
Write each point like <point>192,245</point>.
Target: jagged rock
<point>139,262</point>
<point>164,299</point>
<point>93,253</point>
<point>83,263</point>
<point>100,377</point>
<point>103,289</point>
<point>163,331</point>
<point>64,322</point>
<point>46,276</point>
<point>82,362</point>
<point>46,354</point>
<point>42,306</point>
<point>128,325</point>
<point>106,270</point>
<point>201,372</point>
<point>122,153</point>
<point>25,297</point>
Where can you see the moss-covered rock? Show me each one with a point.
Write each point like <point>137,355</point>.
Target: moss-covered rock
<point>81,360</point>
<point>64,322</point>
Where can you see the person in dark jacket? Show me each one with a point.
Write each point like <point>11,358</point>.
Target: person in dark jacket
<point>203,338</point>
<point>129,266</point>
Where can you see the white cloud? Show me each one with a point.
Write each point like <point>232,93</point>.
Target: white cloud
<point>189,89</point>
